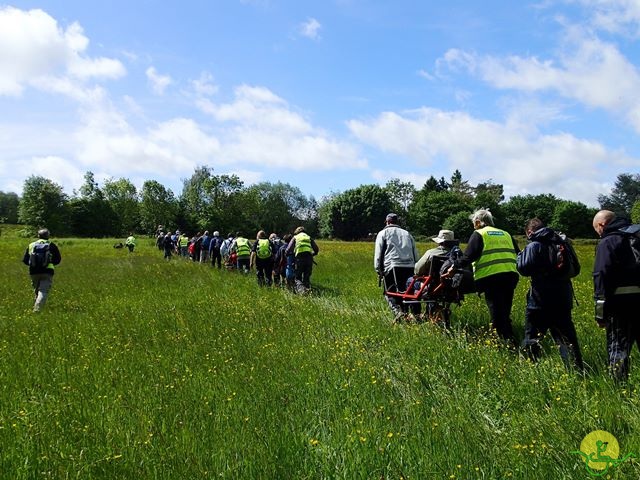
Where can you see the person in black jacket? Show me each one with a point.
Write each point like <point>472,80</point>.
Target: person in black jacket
<point>616,283</point>
<point>41,272</point>
<point>550,297</point>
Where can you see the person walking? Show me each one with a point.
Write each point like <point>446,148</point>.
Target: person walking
<point>492,253</point>
<point>304,248</point>
<point>394,259</point>
<point>262,253</point>
<point>550,297</point>
<point>130,242</point>
<point>205,242</point>
<point>41,256</point>
<point>242,249</point>
<point>214,250</point>
<point>616,281</point>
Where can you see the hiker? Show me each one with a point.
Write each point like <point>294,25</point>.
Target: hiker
<point>130,242</point>
<point>446,241</point>
<point>550,296</point>
<point>225,251</point>
<point>284,265</point>
<point>277,243</point>
<point>41,256</point>
<point>304,248</point>
<point>262,257</point>
<point>492,252</point>
<point>214,250</point>
<point>168,245</point>
<point>183,244</point>
<point>242,249</point>
<point>616,291</point>
<point>394,259</point>
<point>205,241</point>
<point>160,241</point>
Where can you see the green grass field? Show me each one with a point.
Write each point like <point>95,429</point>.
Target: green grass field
<point>141,368</point>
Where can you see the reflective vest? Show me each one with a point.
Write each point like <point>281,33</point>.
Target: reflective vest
<point>130,241</point>
<point>498,254</point>
<point>183,241</point>
<point>303,243</point>
<point>242,247</point>
<point>32,246</point>
<point>264,248</point>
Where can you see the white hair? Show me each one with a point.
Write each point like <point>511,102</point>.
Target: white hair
<point>483,216</point>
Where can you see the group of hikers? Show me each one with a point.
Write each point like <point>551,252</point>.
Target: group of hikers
<point>497,263</point>
<point>491,254</point>
<point>286,262</point>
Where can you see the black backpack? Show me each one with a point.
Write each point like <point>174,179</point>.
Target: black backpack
<point>40,256</point>
<point>563,257</point>
<point>632,234</point>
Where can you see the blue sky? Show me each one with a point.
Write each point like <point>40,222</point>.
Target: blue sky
<point>542,97</point>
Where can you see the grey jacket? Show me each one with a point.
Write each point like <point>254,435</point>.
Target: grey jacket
<point>395,247</point>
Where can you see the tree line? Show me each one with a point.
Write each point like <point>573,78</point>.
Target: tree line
<point>223,202</point>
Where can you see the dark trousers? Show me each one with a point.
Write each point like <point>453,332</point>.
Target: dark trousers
<point>557,321</point>
<point>264,270</point>
<point>395,280</point>
<point>623,330</point>
<point>498,294</point>
<point>216,258</point>
<point>304,268</point>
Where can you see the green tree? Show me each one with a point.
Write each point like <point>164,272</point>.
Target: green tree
<point>280,207</point>
<point>123,198</point>
<point>520,208</point>
<point>9,204</point>
<point>43,205</point>
<point>158,206</point>
<point>635,212</point>
<point>401,194</point>
<point>573,219</point>
<point>625,193</point>
<point>431,208</point>
<point>358,212</point>
<point>460,224</point>
<point>90,214</point>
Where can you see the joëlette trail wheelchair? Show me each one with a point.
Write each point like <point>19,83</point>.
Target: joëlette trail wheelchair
<point>435,291</point>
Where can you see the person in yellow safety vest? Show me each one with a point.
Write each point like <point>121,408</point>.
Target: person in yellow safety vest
<point>242,249</point>
<point>183,245</point>
<point>493,252</point>
<point>304,248</point>
<point>130,242</point>
<point>41,256</point>
<point>262,253</point>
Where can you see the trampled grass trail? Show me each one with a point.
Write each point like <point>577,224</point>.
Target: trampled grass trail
<point>141,368</point>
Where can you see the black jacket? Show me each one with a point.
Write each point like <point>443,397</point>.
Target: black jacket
<point>614,265</point>
<point>548,289</point>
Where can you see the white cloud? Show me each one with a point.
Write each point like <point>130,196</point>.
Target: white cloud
<point>35,51</point>
<point>158,82</point>
<point>204,86</point>
<point>615,16</point>
<point>261,129</point>
<point>587,70</point>
<point>524,162</point>
<point>310,29</point>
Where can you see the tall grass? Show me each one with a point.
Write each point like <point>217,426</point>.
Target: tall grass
<point>141,368</point>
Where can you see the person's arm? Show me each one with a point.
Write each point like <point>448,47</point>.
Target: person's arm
<point>291,247</point>
<point>314,246</point>
<point>527,261</point>
<point>378,256</point>
<point>56,258</point>
<point>472,252</point>
<point>25,258</point>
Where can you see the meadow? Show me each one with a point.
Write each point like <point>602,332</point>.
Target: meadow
<point>142,368</point>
